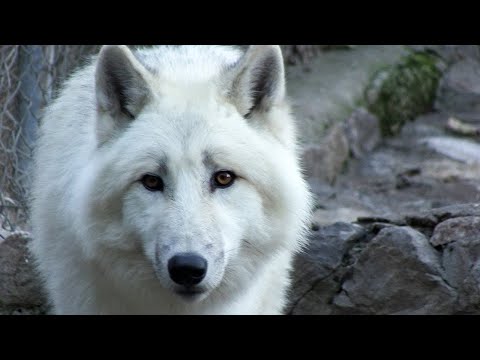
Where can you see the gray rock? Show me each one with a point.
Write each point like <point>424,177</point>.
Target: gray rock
<point>428,219</point>
<point>435,216</point>
<point>19,284</point>
<point>460,258</point>
<point>397,273</point>
<point>315,280</point>
<point>333,215</point>
<point>461,229</point>
<point>325,161</point>
<point>362,131</point>
<point>455,211</point>
<point>371,220</point>
<point>25,310</point>
<point>462,150</point>
<point>459,89</point>
<point>329,245</point>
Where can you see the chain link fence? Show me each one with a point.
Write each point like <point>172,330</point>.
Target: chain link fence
<point>29,77</point>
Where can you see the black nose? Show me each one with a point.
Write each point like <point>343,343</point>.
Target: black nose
<point>187,269</point>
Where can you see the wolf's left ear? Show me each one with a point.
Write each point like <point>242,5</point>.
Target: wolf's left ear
<point>121,89</point>
<point>257,81</point>
<point>120,82</point>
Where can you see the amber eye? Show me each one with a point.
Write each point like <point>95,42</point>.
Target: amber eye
<point>152,182</point>
<point>223,179</point>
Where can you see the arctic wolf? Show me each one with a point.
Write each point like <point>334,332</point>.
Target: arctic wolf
<point>167,182</point>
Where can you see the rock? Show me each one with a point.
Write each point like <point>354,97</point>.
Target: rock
<point>19,310</point>
<point>368,220</point>
<point>435,216</point>
<point>325,217</point>
<point>460,229</point>
<point>4,233</point>
<point>294,54</point>
<point>461,258</point>
<point>455,211</point>
<point>459,89</point>
<point>397,273</point>
<point>325,161</point>
<point>315,279</point>
<point>362,131</point>
<point>19,284</point>
<point>431,218</point>
<point>421,221</point>
<point>462,128</point>
<point>452,53</point>
<point>462,150</point>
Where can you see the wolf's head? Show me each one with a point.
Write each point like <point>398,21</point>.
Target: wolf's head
<point>196,163</point>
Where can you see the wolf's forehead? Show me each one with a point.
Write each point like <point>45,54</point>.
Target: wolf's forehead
<point>186,140</point>
<point>188,63</point>
<point>184,133</point>
<point>189,119</point>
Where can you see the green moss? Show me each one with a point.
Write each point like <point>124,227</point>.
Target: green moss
<point>399,93</point>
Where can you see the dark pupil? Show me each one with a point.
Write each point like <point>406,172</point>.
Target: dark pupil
<point>224,178</point>
<point>152,181</point>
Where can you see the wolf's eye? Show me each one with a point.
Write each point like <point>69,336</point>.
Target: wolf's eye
<point>223,179</point>
<point>152,182</point>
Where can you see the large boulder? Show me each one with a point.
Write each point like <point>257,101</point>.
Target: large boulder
<point>362,131</point>
<point>319,267</point>
<point>20,287</point>
<point>460,238</point>
<point>324,162</point>
<point>397,273</point>
<point>459,89</point>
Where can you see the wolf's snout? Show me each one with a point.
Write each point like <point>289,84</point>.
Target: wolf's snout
<point>187,269</point>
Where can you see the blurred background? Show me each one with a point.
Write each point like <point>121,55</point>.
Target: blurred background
<point>389,142</point>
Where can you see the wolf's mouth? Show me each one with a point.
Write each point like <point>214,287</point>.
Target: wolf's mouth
<point>191,294</point>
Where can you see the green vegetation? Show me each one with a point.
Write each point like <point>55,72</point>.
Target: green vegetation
<point>399,93</point>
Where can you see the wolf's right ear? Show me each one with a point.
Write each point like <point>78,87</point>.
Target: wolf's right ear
<point>257,80</point>
<point>121,88</point>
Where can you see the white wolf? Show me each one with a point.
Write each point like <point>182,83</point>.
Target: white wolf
<point>167,181</point>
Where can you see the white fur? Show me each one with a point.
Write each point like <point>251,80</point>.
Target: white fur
<point>97,230</point>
